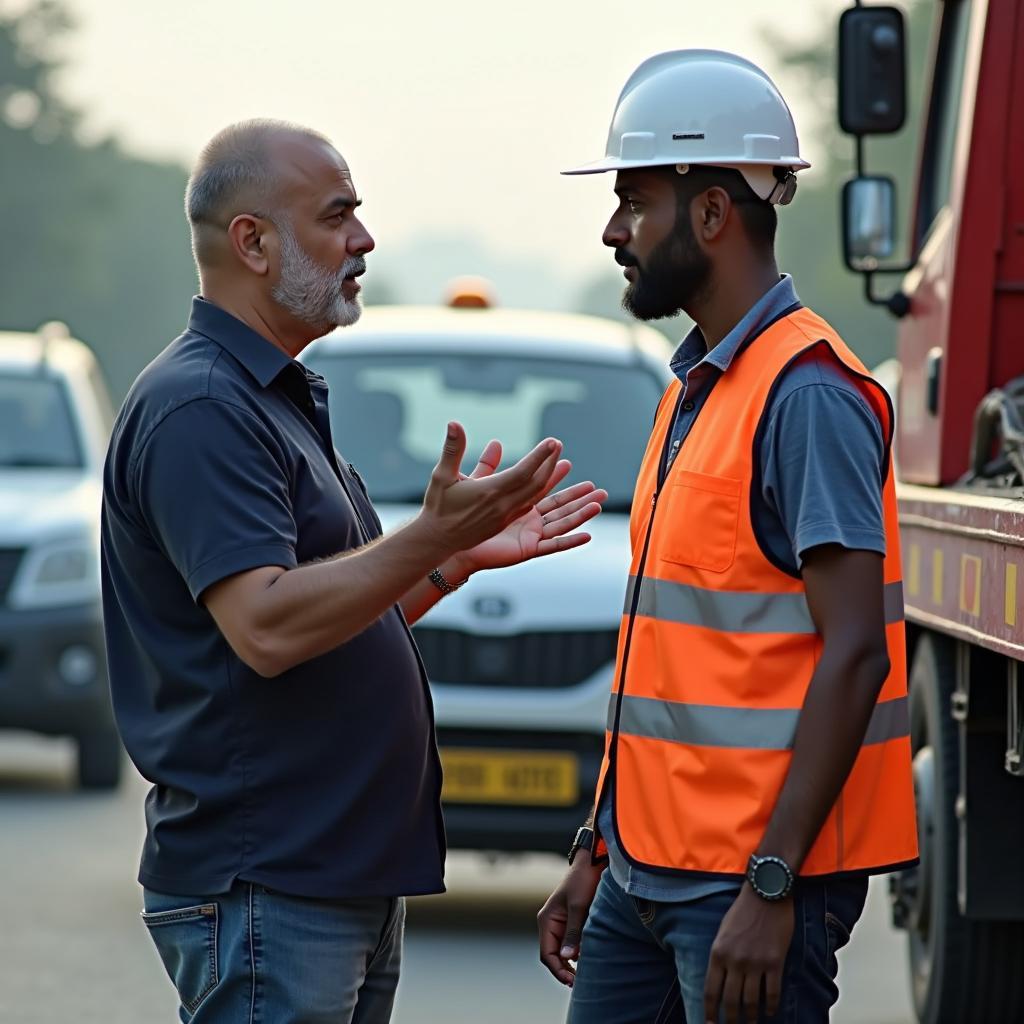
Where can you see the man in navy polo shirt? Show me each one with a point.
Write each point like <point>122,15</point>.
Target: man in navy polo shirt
<point>263,674</point>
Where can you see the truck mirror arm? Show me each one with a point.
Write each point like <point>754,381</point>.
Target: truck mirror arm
<point>897,303</point>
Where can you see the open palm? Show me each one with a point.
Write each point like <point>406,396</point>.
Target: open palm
<point>543,529</point>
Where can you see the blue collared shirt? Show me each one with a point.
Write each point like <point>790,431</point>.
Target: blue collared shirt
<point>698,369</point>
<point>324,781</point>
<point>822,457</point>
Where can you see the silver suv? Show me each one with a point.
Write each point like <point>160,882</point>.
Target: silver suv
<point>55,418</point>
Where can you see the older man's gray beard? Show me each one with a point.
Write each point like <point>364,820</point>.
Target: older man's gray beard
<point>311,292</point>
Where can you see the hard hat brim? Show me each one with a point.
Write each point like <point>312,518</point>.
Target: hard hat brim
<point>618,164</point>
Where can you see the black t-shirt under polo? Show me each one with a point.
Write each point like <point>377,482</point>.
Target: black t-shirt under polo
<point>325,780</point>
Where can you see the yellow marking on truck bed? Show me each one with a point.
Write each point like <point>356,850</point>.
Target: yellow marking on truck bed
<point>970,584</point>
<point>914,570</point>
<point>1010,607</point>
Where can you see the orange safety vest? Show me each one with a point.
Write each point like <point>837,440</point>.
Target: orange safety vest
<point>717,649</point>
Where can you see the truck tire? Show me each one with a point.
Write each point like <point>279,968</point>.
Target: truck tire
<point>99,760</point>
<point>962,971</point>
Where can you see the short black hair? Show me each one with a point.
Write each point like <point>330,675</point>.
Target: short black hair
<point>757,216</point>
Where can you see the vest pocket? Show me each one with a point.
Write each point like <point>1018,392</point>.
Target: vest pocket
<point>701,521</point>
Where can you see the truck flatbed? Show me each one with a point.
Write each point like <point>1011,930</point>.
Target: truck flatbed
<point>963,564</point>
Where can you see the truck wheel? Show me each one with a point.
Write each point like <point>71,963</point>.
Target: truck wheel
<point>962,971</point>
<point>99,760</point>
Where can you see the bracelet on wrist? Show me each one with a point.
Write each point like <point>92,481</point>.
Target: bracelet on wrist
<point>443,583</point>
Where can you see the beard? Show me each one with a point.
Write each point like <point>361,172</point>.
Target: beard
<point>676,275</point>
<point>312,292</point>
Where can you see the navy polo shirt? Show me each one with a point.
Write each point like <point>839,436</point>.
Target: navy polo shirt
<point>324,781</point>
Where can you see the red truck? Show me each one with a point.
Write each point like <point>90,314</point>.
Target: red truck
<point>960,462</point>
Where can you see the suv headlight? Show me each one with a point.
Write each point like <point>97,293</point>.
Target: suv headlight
<point>63,572</point>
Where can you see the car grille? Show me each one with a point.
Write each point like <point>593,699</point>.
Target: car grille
<point>10,558</point>
<point>525,660</point>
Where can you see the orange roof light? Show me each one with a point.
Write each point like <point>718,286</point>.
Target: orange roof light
<point>470,292</point>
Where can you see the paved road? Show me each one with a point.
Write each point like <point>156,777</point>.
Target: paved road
<point>72,948</point>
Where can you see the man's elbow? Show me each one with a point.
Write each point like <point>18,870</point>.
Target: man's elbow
<point>860,660</point>
<point>271,653</point>
<point>266,669</point>
<point>872,666</point>
<point>263,653</point>
<point>271,648</point>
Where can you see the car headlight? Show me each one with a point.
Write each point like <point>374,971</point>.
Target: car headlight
<point>58,573</point>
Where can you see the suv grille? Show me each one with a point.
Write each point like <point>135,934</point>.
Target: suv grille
<point>526,660</point>
<point>10,558</point>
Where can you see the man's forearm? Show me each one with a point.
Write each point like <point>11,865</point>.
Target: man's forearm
<point>829,735</point>
<point>307,611</point>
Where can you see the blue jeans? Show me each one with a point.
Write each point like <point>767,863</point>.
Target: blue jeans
<point>255,956</point>
<point>643,962</point>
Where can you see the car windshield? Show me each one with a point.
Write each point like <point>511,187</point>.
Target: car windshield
<point>36,428</point>
<point>388,415</point>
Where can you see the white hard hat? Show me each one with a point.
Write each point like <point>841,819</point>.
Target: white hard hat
<point>692,107</point>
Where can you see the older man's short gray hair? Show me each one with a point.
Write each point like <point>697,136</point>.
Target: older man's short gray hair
<point>234,169</point>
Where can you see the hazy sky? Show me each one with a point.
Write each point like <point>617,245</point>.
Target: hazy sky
<point>455,116</point>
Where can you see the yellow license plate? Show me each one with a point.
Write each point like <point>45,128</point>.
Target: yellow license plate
<point>510,777</point>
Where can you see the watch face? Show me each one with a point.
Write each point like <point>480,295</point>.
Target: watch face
<point>771,878</point>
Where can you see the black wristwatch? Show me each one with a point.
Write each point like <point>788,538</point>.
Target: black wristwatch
<point>584,841</point>
<point>770,877</point>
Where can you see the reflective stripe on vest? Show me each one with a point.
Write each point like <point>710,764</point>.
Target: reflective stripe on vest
<point>736,611</point>
<point>701,725</point>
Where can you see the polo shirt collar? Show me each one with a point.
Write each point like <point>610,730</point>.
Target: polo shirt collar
<point>261,358</point>
<point>772,304</point>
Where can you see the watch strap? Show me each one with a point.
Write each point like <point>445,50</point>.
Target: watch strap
<point>584,841</point>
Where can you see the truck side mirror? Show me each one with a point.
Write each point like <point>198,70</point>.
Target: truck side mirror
<point>869,221</point>
<point>872,70</point>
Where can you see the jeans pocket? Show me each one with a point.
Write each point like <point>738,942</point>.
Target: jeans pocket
<point>186,940</point>
<point>837,934</point>
<point>844,904</point>
<point>393,931</point>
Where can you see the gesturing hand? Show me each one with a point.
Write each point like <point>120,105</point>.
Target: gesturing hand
<point>461,512</point>
<point>543,529</point>
<point>752,942</point>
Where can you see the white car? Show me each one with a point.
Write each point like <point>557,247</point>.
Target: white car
<point>520,660</point>
<point>55,418</point>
